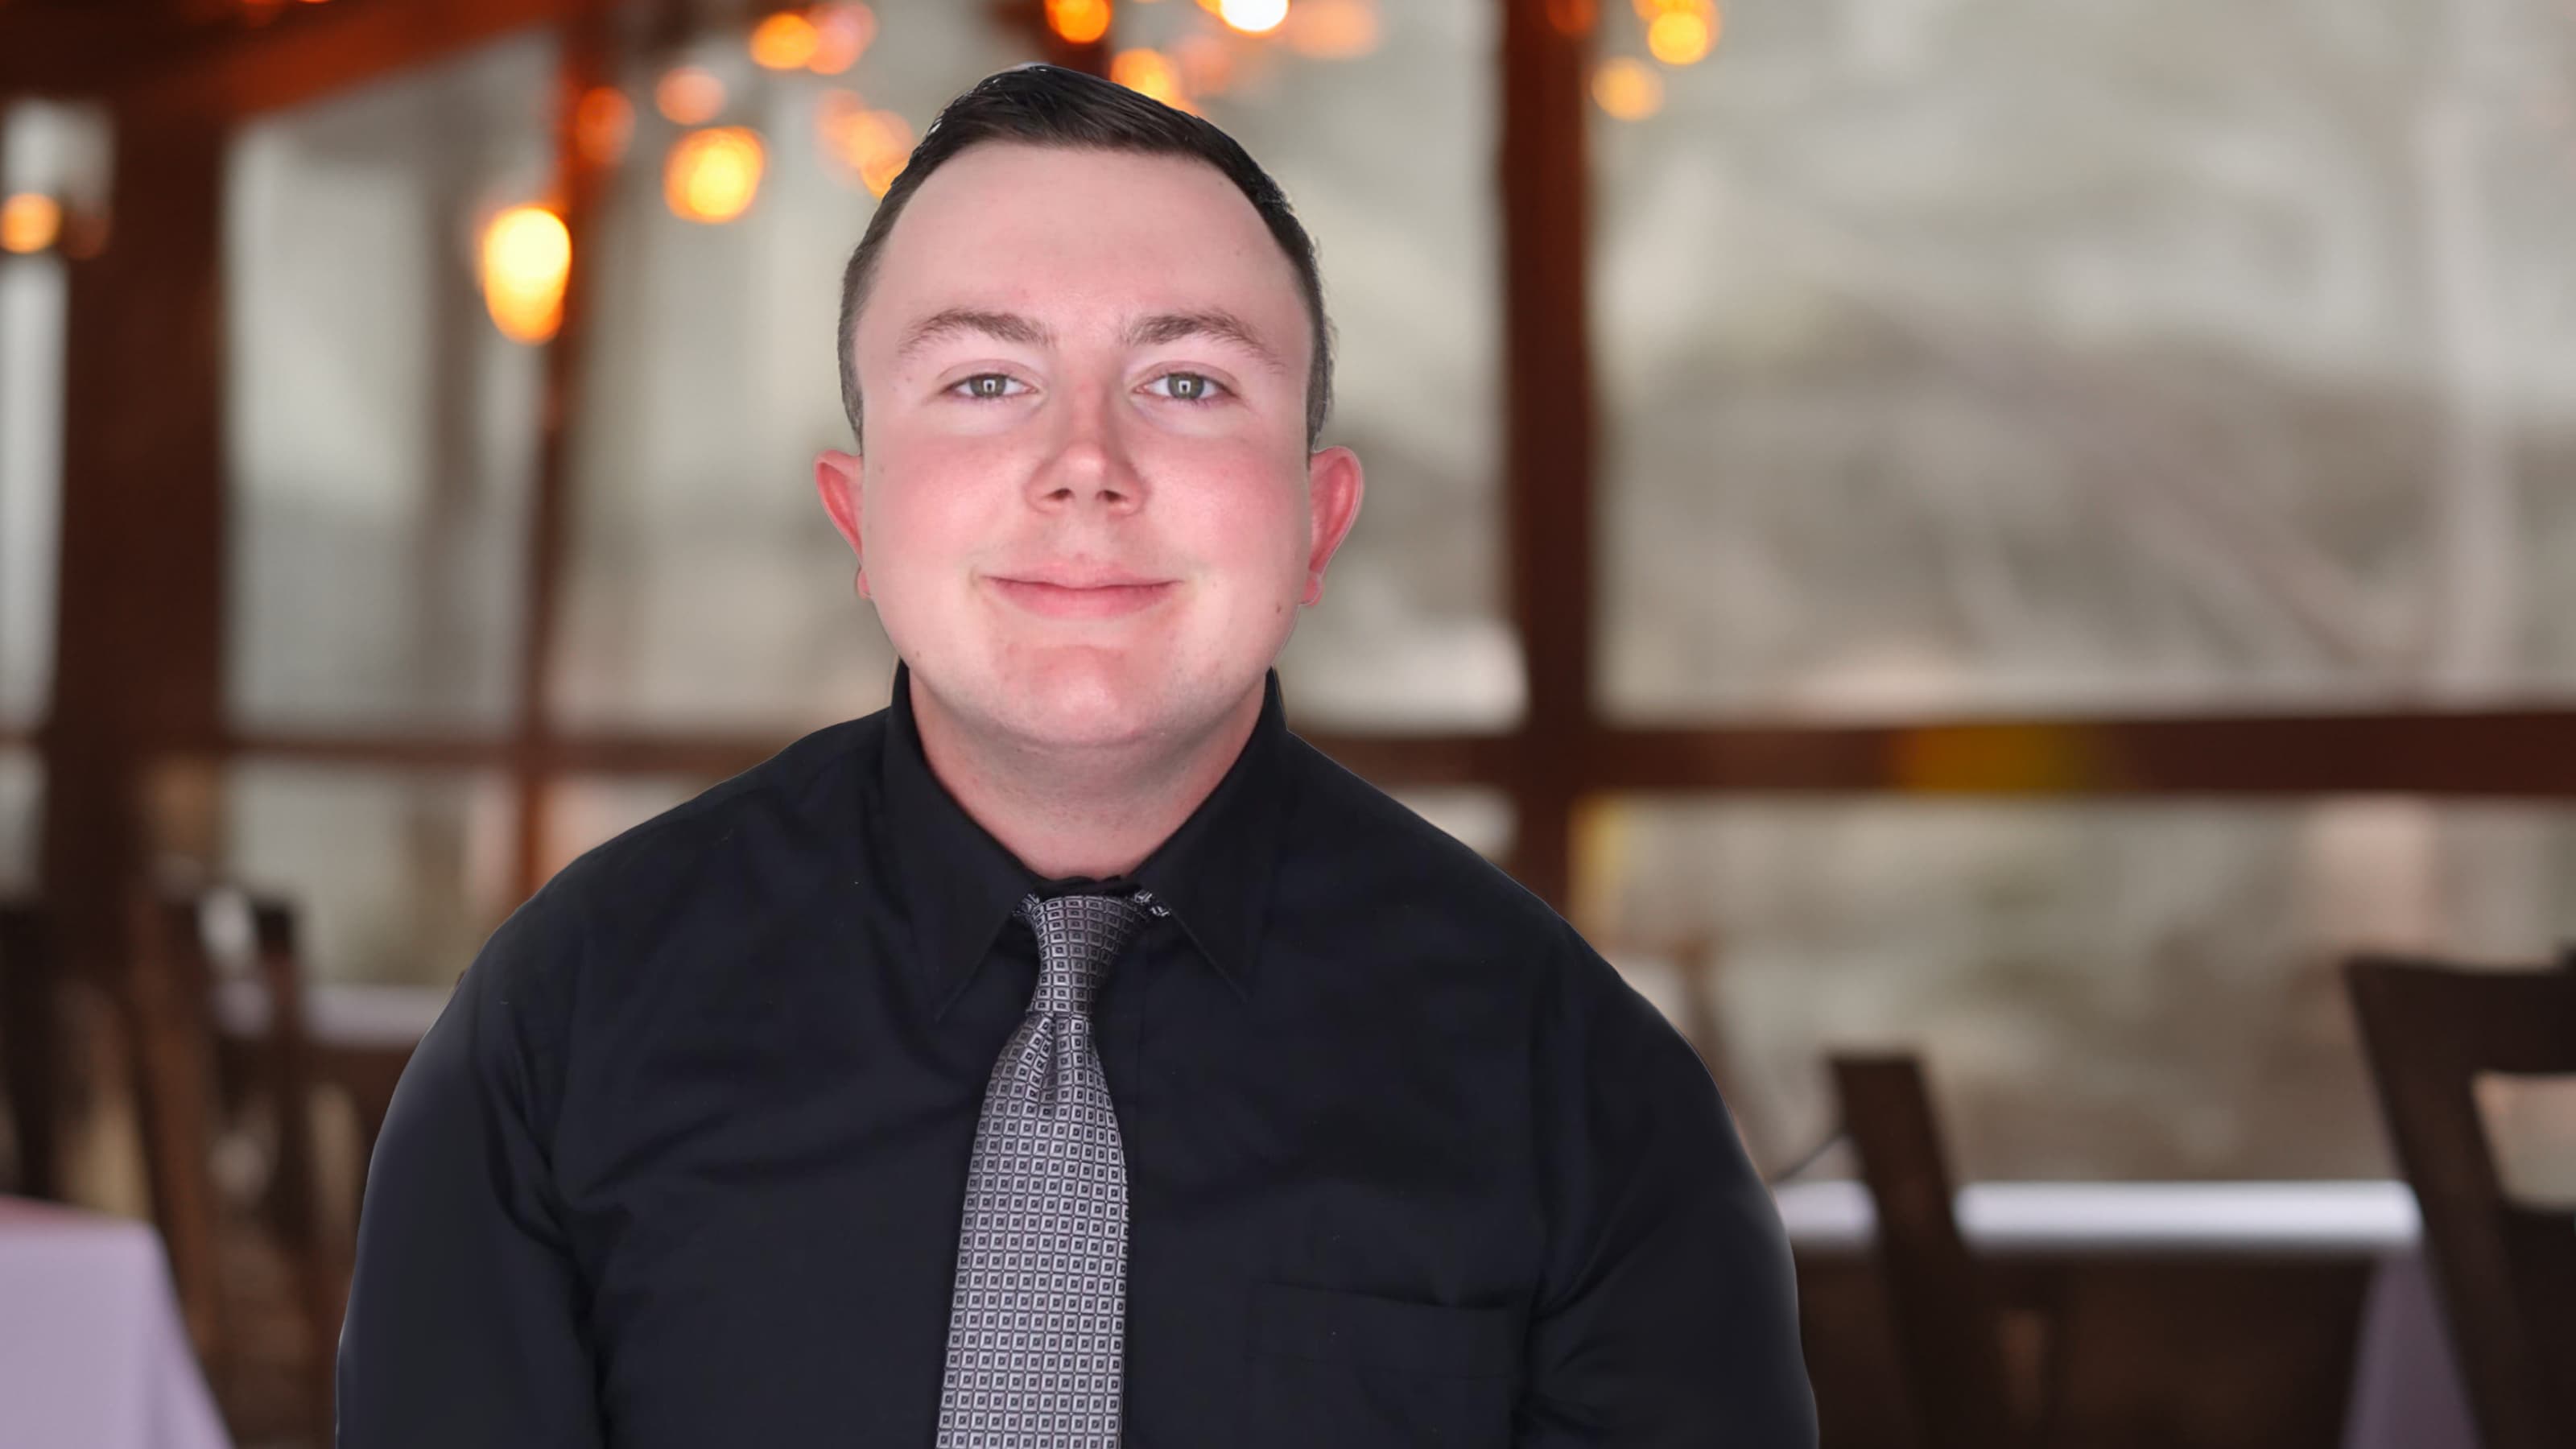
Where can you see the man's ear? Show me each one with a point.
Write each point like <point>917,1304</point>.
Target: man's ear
<point>836,478</point>
<point>1333,488</point>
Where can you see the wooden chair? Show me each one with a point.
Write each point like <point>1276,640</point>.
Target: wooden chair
<point>262,1284</point>
<point>1948,1316</point>
<point>31,1027</point>
<point>2506,1271</point>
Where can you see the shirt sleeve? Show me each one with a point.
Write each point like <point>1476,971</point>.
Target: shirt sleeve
<point>1668,1311</point>
<point>465,1322</point>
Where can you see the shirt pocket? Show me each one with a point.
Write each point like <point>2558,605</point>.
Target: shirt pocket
<point>1351,1370</point>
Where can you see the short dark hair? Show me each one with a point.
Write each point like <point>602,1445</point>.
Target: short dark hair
<point>1046,105</point>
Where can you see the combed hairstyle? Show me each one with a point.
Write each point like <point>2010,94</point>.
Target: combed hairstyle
<point>1046,105</point>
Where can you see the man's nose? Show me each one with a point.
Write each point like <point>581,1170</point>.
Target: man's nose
<point>1089,464</point>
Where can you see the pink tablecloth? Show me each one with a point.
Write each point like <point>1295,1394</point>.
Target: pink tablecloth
<point>92,1349</point>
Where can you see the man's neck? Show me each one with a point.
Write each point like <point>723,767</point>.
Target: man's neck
<point>1087,813</point>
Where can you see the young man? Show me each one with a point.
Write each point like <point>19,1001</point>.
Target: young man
<point>1068,1055</point>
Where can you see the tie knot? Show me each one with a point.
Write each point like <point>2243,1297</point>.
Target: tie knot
<point>1078,936</point>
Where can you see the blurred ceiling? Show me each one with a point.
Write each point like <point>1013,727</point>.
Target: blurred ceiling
<point>222,59</point>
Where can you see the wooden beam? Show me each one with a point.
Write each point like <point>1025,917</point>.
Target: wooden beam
<point>1548,428</point>
<point>2528,754</point>
<point>82,49</point>
<point>1411,761</point>
<point>226,73</point>
<point>2505,754</point>
<point>140,593</point>
<point>588,60</point>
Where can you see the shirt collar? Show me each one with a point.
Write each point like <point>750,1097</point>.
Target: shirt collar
<point>960,885</point>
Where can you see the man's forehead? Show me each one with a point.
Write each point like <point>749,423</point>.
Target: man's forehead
<point>998,172</point>
<point>1024,246</point>
<point>1061,215</point>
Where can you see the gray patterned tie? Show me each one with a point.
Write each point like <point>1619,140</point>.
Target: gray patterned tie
<point>1037,1327</point>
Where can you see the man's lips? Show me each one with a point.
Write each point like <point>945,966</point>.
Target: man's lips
<point>1096,601</point>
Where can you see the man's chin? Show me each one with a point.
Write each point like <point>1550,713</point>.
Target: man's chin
<point>1083,702</point>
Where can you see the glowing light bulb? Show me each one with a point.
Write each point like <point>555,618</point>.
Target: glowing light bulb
<point>1573,18</point>
<point>872,146</point>
<point>1680,37</point>
<point>841,35</point>
<point>784,41</point>
<point>29,222</point>
<point>690,95</point>
<point>1627,89</point>
<point>1149,73</point>
<point>1253,17</point>
<point>602,123</point>
<point>527,258</point>
<point>1079,21</point>
<point>712,175</point>
<point>1333,29</point>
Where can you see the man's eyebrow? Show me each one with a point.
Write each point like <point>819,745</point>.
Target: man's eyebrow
<point>1222,325</point>
<point>951,321</point>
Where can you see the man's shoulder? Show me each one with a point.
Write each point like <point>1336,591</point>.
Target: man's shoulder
<point>802,800</point>
<point>1385,855</point>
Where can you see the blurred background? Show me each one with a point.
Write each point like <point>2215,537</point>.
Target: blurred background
<point>2015,533</point>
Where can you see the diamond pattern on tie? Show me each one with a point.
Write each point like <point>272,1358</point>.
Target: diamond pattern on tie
<point>1037,1322</point>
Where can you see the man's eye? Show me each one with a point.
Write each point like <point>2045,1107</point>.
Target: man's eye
<point>1190,387</point>
<point>984,386</point>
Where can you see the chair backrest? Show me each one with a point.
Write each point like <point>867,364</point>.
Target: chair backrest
<point>172,1054</point>
<point>193,1072</point>
<point>1947,1320</point>
<point>2507,1271</point>
<point>30,1030</point>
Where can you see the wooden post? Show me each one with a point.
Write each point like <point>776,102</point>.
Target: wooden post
<point>588,52</point>
<point>1548,430</point>
<point>140,595</point>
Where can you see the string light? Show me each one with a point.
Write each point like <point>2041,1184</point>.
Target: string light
<point>1573,19</point>
<point>1149,73</point>
<point>1682,35</point>
<point>1333,29</point>
<point>842,34</point>
<point>690,95</point>
<point>712,175</point>
<point>784,41</point>
<point>602,123</point>
<point>527,258</point>
<point>1252,17</point>
<point>873,146</point>
<point>878,170</point>
<point>29,222</point>
<point>1627,89</point>
<point>1080,21</point>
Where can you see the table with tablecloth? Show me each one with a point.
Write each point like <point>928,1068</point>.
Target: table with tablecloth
<point>93,1351</point>
<point>2404,1391</point>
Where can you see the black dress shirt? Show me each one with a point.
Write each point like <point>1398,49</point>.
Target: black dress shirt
<point>682,1163</point>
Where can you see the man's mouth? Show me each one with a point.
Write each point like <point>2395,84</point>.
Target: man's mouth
<point>1064,600</point>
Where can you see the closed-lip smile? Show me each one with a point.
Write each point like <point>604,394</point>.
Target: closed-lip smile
<point>1080,593</point>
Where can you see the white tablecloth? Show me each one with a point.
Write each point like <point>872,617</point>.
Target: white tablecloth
<point>92,1349</point>
<point>2406,1390</point>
